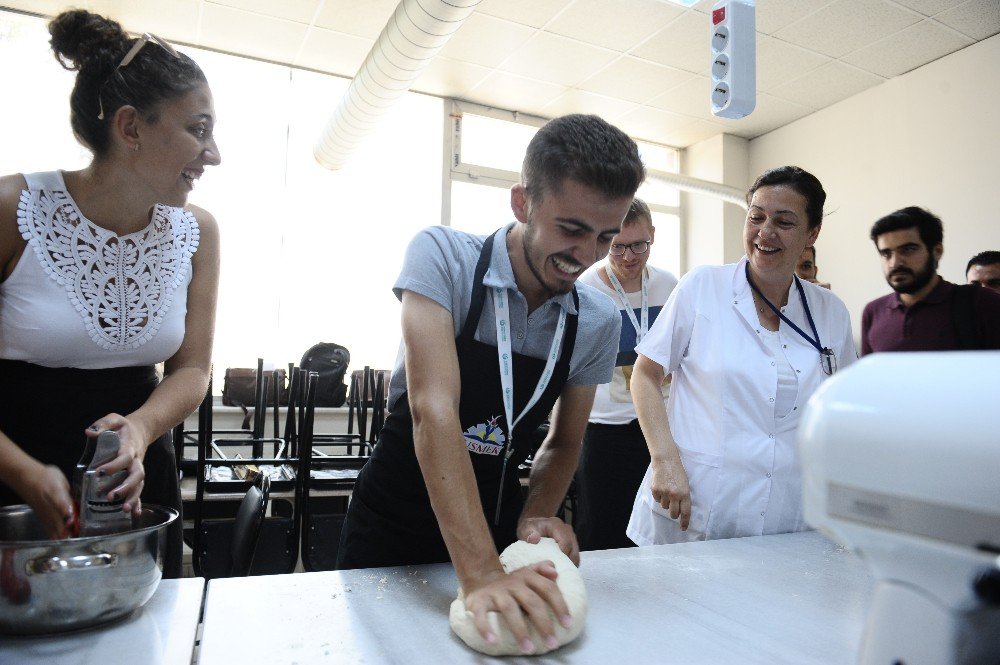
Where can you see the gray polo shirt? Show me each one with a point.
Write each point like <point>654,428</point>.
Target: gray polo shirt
<point>440,264</point>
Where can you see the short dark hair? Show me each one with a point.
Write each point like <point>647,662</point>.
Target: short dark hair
<point>585,149</point>
<point>638,211</point>
<point>801,181</point>
<point>93,46</point>
<point>986,258</point>
<point>927,224</point>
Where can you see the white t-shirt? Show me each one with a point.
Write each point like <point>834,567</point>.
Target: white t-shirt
<point>613,400</point>
<point>739,454</point>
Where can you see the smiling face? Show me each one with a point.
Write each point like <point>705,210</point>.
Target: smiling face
<point>776,232</point>
<point>560,236</point>
<point>177,145</point>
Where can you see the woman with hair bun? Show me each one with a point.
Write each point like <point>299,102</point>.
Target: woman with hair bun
<point>746,344</point>
<point>105,273</point>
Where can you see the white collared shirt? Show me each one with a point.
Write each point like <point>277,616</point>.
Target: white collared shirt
<point>741,458</point>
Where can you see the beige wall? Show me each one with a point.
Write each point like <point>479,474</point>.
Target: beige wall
<point>930,138</point>
<point>713,229</point>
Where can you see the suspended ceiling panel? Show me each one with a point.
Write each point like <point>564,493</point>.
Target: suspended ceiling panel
<point>642,64</point>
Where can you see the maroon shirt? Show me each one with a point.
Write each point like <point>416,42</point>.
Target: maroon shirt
<point>888,325</point>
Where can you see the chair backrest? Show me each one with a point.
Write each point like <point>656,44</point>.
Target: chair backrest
<point>323,516</point>
<point>246,530</point>
<point>182,436</point>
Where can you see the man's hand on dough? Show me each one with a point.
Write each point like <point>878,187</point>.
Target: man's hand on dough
<point>528,592</point>
<point>533,529</point>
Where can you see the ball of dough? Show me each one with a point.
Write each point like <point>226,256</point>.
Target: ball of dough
<point>519,555</point>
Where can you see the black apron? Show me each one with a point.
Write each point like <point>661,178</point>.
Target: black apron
<point>390,521</point>
<point>45,411</point>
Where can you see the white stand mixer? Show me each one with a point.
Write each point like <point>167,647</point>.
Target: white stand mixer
<point>901,463</point>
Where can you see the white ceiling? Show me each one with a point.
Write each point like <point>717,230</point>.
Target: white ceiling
<point>642,64</point>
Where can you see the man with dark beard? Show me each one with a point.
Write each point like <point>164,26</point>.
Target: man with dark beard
<point>926,313</point>
<point>496,335</point>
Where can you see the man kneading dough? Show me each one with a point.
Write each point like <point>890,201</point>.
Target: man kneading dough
<point>497,337</point>
<point>570,583</point>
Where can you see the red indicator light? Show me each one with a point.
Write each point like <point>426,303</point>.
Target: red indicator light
<point>718,15</point>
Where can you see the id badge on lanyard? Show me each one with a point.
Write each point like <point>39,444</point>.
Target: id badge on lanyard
<point>827,359</point>
<point>641,328</point>
<point>506,359</point>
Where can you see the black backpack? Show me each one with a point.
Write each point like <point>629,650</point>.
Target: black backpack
<point>330,361</point>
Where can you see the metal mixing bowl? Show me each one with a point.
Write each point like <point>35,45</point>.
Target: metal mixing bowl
<point>51,586</point>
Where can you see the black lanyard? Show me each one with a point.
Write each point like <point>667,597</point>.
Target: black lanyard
<point>827,360</point>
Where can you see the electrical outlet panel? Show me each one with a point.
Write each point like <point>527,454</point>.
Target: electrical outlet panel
<point>734,58</point>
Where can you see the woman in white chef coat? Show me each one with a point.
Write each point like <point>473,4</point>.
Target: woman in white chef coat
<point>747,344</point>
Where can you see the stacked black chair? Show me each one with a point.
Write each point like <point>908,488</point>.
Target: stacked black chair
<point>184,437</point>
<point>360,399</point>
<point>246,529</point>
<point>327,489</point>
<point>215,505</point>
<point>307,509</point>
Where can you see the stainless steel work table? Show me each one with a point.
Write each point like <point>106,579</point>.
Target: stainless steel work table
<point>161,632</point>
<point>795,598</point>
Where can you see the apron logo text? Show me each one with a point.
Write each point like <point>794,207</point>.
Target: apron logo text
<point>485,438</point>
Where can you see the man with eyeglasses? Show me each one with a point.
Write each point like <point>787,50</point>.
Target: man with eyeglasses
<point>924,312</point>
<point>614,457</point>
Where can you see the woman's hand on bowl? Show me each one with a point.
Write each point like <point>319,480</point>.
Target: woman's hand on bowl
<point>47,492</point>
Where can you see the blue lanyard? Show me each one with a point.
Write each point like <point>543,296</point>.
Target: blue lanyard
<point>827,359</point>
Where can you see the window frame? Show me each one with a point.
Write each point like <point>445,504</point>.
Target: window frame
<point>457,170</point>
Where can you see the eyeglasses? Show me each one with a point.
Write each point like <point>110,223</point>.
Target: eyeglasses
<point>130,56</point>
<point>640,247</point>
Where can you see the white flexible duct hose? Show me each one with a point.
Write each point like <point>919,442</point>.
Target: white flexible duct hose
<point>416,32</point>
<point>714,189</point>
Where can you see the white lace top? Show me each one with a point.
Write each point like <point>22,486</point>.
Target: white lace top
<point>81,296</point>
